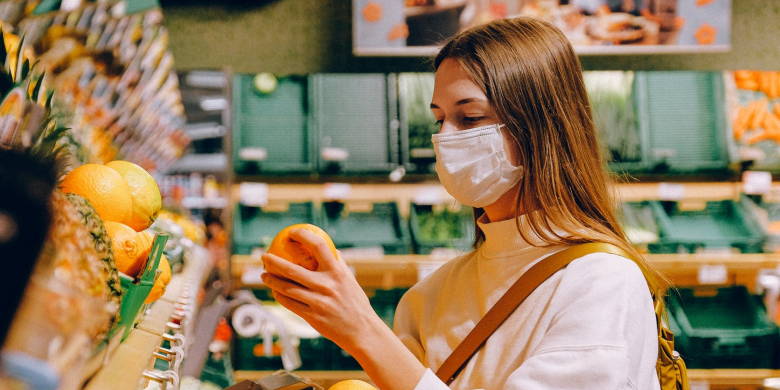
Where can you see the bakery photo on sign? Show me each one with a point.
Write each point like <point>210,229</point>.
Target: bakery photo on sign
<point>420,27</point>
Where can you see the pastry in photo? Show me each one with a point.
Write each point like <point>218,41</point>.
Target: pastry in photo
<point>622,28</point>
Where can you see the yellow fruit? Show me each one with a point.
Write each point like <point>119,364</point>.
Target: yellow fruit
<point>288,249</point>
<point>165,267</point>
<point>105,189</point>
<point>130,249</point>
<point>352,384</point>
<point>147,201</point>
<point>157,291</point>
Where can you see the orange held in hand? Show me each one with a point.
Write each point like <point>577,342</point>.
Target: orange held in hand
<point>287,248</point>
<point>352,384</point>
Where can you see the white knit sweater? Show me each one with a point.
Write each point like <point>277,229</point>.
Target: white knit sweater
<point>589,326</point>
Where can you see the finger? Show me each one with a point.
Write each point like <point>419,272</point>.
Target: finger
<point>297,307</point>
<point>288,270</point>
<point>288,288</point>
<point>316,244</point>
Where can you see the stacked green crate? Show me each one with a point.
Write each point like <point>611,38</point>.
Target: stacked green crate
<point>356,122</point>
<point>382,226</point>
<point>722,327</point>
<point>678,123</point>
<point>271,131</point>
<point>256,227</point>
<point>639,223</point>
<point>682,119</point>
<point>720,225</point>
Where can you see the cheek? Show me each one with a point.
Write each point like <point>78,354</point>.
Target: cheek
<point>511,152</point>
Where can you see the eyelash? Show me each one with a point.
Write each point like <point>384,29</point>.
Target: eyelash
<point>465,119</point>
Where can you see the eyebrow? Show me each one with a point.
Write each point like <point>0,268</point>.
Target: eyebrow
<point>462,101</point>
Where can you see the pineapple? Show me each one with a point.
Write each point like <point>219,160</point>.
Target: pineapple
<point>79,253</point>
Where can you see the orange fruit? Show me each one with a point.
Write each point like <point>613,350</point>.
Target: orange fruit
<point>104,188</point>
<point>291,250</point>
<point>165,276</point>
<point>352,384</point>
<point>157,291</point>
<point>162,282</point>
<point>147,201</point>
<point>130,250</point>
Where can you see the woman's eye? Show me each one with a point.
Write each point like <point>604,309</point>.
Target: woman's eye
<point>473,118</point>
<point>439,122</point>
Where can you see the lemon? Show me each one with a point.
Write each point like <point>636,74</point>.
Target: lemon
<point>144,191</point>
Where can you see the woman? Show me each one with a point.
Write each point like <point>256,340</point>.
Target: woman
<point>517,143</point>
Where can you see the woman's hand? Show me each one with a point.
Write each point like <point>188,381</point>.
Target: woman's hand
<point>330,299</point>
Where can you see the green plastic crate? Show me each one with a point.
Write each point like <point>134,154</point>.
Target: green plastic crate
<point>639,222</point>
<point>720,225</point>
<point>384,302</point>
<point>682,122</point>
<point>356,114</point>
<point>722,327</point>
<point>136,291</point>
<point>433,227</point>
<point>418,124</point>
<point>382,226</point>
<point>275,125</point>
<point>255,227</point>
<point>766,214</point>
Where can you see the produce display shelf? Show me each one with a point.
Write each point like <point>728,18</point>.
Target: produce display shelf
<point>404,193</point>
<point>392,271</point>
<point>133,356</point>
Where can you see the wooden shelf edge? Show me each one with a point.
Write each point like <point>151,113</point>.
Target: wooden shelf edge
<point>732,377</point>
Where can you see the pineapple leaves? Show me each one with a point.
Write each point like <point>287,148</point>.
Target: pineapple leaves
<point>25,69</point>
<point>37,89</point>
<point>3,51</point>
<point>18,68</point>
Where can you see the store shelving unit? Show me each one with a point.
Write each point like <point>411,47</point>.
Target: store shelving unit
<point>135,356</point>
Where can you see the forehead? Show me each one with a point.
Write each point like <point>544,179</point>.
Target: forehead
<point>454,83</point>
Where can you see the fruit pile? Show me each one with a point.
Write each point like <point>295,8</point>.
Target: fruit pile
<point>126,198</point>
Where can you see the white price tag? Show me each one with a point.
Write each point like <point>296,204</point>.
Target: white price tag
<point>70,5</point>
<point>253,194</point>
<point>671,191</point>
<point>429,195</point>
<point>336,191</point>
<point>713,274</point>
<point>252,275</point>
<point>699,385</point>
<point>756,182</point>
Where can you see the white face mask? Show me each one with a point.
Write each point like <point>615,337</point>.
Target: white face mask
<point>472,165</point>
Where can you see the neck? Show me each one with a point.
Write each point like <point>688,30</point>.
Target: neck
<point>505,207</point>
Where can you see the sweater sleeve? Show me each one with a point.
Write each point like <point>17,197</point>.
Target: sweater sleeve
<point>602,308</point>
<point>430,381</point>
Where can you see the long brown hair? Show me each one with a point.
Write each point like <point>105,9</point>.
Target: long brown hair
<point>531,75</point>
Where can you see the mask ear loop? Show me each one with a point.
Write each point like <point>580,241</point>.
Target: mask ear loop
<point>516,144</point>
